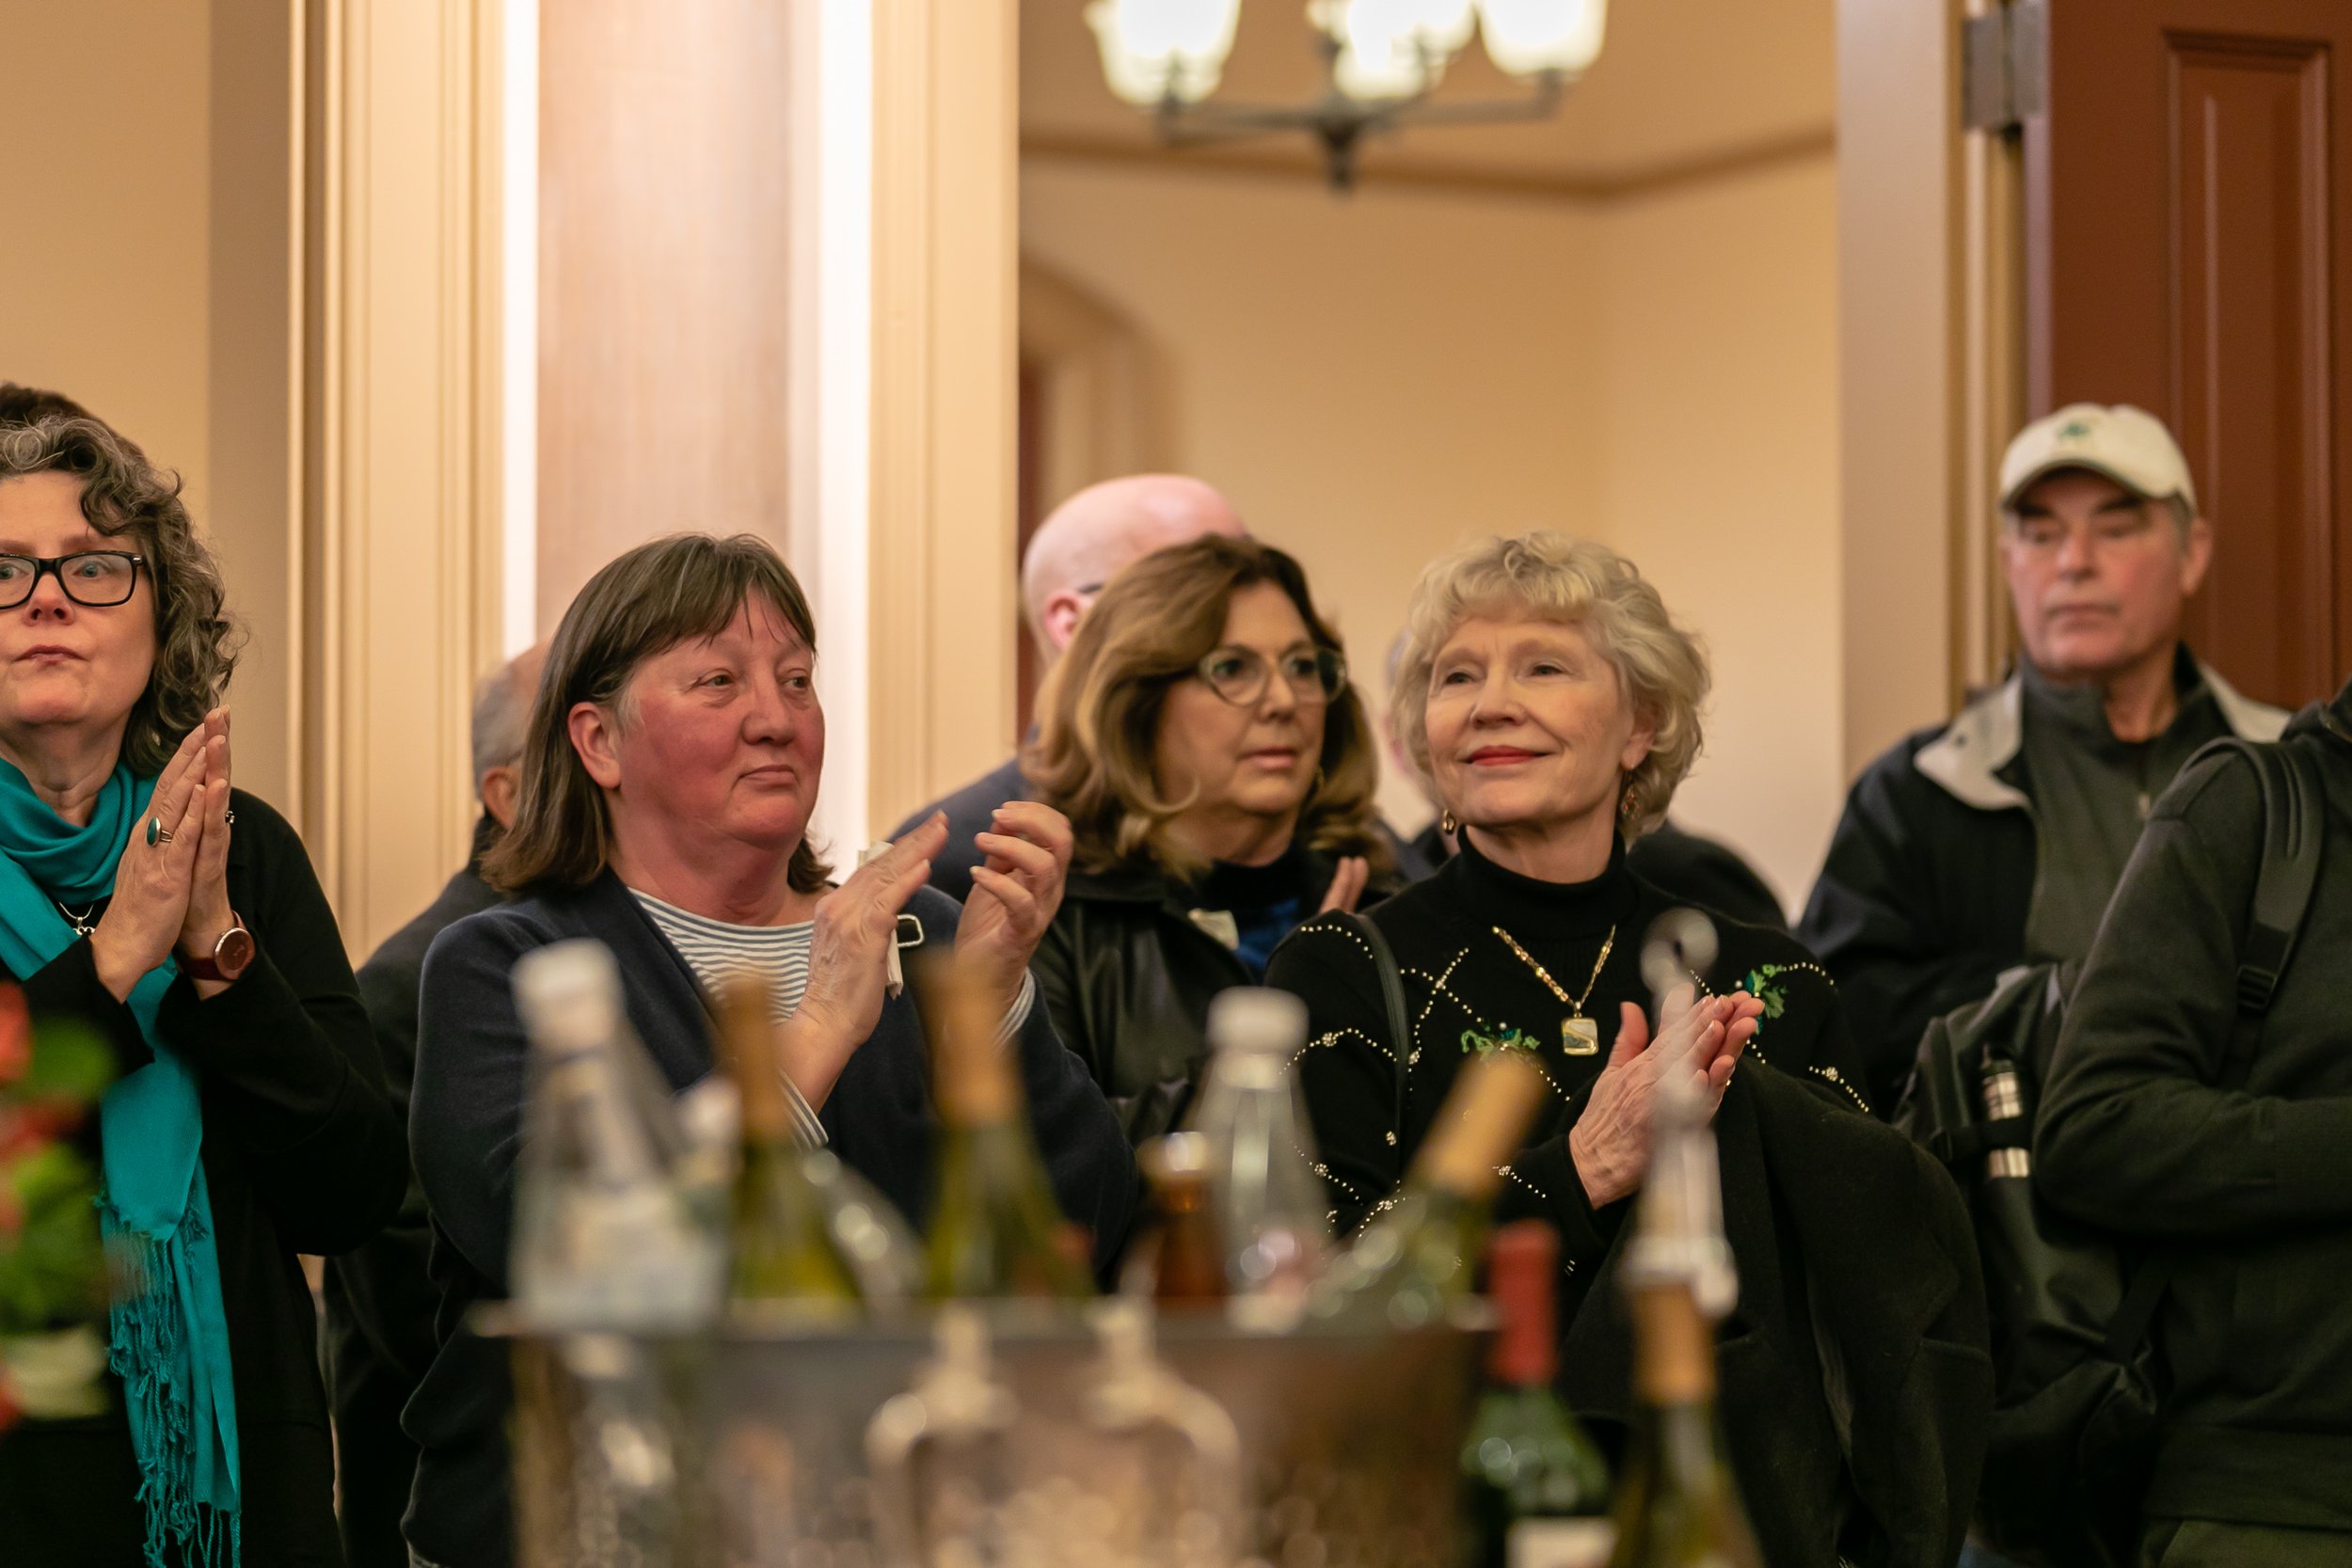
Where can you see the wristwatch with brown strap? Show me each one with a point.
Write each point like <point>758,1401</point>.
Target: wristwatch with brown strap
<point>230,957</point>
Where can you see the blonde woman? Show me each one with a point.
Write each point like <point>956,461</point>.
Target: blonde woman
<point>1217,770</point>
<point>1553,706</point>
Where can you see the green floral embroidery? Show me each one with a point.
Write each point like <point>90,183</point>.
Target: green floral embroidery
<point>1759,984</point>
<point>1510,1039</point>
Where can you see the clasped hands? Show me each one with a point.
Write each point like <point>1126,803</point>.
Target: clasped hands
<point>1701,1041</point>
<point>172,895</point>
<point>1014,896</point>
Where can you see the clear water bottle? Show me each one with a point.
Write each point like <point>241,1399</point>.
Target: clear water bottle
<point>1271,1208</point>
<point>604,1236</point>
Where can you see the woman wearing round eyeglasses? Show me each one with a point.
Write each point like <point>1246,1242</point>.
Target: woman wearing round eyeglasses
<point>1217,769</point>
<point>176,921</point>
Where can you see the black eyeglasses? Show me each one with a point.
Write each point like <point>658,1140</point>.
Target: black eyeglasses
<point>1240,675</point>
<point>96,579</point>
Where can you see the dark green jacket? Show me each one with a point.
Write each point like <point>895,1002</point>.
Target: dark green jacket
<point>2253,1187</point>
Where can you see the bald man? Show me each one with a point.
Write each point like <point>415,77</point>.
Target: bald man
<point>1081,546</point>
<point>380,1304</point>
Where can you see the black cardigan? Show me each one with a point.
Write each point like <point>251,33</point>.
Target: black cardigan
<point>466,1124</point>
<point>301,1155</point>
<point>379,1301</point>
<point>1839,1227</point>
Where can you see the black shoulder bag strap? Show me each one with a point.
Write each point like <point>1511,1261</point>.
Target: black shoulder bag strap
<point>1393,1000</point>
<point>2295,824</point>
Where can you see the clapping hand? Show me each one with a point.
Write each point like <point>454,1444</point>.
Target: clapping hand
<point>173,892</point>
<point>210,915</point>
<point>856,925</point>
<point>1015,895</point>
<point>1348,884</point>
<point>1700,1039</point>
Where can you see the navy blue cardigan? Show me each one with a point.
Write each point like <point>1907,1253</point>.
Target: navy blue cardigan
<point>465,1125</point>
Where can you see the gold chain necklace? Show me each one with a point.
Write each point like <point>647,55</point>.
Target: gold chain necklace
<point>1579,1036</point>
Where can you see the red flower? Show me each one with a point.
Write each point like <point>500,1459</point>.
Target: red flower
<point>16,1034</point>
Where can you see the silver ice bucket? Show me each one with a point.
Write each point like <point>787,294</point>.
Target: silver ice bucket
<point>970,1440</point>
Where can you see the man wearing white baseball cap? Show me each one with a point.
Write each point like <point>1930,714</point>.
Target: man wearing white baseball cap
<point>1997,839</point>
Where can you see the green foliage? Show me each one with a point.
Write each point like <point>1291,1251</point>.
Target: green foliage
<point>53,1269</point>
<point>52,1263</point>
<point>70,1063</point>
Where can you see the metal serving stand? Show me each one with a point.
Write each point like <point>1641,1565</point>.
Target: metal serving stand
<point>987,1439</point>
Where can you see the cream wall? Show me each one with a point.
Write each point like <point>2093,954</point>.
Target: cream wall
<point>150,279</point>
<point>104,263</point>
<point>1373,379</point>
<point>1718,397</point>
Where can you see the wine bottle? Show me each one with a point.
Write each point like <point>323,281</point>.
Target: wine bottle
<point>995,1228</point>
<point>1178,1260</point>
<point>781,1248</point>
<point>1413,1259</point>
<point>1535,1489</point>
<point>1270,1206</point>
<point>603,1238</point>
<point>1679,1507</point>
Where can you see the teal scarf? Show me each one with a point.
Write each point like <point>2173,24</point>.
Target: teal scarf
<point>170,1340</point>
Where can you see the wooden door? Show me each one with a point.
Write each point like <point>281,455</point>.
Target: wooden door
<point>2189,189</point>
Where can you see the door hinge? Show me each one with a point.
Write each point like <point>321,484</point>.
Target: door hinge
<point>2004,66</point>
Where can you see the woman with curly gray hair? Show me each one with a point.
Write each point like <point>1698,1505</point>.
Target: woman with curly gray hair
<point>177,920</point>
<point>1552,704</point>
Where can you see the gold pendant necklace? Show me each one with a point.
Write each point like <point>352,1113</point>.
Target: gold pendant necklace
<point>1579,1036</point>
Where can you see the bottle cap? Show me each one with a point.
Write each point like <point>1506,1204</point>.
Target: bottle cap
<point>1176,1155</point>
<point>568,994</point>
<point>1258,1021</point>
<point>747,1054</point>
<point>972,1078</point>
<point>1522,1269</point>
<point>1478,1129</point>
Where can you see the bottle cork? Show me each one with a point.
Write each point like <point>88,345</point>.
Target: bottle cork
<point>972,1076</point>
<point>1674,1346</point>
<point>747,1050</point>
<point>1480,1126</point>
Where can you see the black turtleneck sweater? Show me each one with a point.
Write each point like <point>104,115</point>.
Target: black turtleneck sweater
<point>1843,1232</point>
<point>1465,987</point>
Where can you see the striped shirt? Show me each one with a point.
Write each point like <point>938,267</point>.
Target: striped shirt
<point>716,950</point>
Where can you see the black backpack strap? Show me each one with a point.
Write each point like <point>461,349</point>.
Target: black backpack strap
<point>2294,826</point>
<point>1392,1001</point>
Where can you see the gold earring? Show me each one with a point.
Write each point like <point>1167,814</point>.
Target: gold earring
<point>1447,824</point>
<point>1630,803</point>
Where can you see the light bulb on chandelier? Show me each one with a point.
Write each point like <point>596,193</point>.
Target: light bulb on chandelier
<point>1382,60</point>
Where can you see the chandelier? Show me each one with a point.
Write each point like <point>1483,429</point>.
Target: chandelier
<point>1382,58</point>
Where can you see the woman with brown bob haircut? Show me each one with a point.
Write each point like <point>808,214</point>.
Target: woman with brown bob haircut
<point>670,768</point>
<point>1217,770</point>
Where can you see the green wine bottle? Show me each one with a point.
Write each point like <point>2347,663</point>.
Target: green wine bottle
<point>1414,1258</point>
<point>1535,1489</point>
<point>783,1248</point>
<point>996,1229</point>
<point>1679,1507</point>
